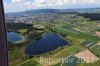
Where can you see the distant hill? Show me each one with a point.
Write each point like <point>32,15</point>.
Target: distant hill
<point>33,12</point>
<point>60,11</point>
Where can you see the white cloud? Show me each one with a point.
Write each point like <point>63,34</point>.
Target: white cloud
<point>17,5</point>
<point>5,4</point>
<point>84,2</point>
<point>39,3</point>
<point>21,5</point>
<point>17,1</point>
<point>43,3</point>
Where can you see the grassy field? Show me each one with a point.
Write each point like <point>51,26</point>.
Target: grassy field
<point>59,64</point>
<point>70,61</point>
<point>16,56</point>
<point>22,30</point>
<point>96,50</point>
<point>97,63</point>
<point>80,35</point>
<point>75,37</point>
<point>88,44</point>
<point>30,63</point>
<point>68,50</point>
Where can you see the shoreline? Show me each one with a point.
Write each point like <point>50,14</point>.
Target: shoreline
<point>20,41</point>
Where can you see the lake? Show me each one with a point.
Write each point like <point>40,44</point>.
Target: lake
<point>49,42</point>
<point>15,37</point>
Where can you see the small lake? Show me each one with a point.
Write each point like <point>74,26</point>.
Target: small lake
<point>49,42</point>
<point>15,37</point>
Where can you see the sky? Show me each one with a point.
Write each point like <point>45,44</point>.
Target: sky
<point>23,5</point>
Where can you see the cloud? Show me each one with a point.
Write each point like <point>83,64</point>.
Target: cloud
<point>17,5</point>
<point>21,5</point>
<point>17,1</point>
<point>5,4</point>
<point>42,3</point>
<point>84,1</point>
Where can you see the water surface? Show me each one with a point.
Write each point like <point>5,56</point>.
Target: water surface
<point>49,42</point>
<point>15,37</point>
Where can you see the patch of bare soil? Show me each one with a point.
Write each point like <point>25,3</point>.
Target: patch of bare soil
<point>97,33</point>
<point>98,25</point>
<point>87,56</point>
<point>98,43</point>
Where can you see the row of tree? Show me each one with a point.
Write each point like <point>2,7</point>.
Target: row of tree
<point>19,26</point>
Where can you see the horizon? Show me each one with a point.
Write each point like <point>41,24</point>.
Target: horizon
<point>54,9</point>
<point>13,6</point>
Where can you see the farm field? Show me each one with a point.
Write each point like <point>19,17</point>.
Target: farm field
<point>97,63</point>
<point>87,56</point>
<point>82,37</point>
<point>79,41</point>
<point>75,43</point>
<point>96,50</point>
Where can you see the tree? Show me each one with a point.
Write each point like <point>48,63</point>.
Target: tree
<point>30,57</point>
<point>50,52</point>
<point>70,45</point>
<point>62,47</point>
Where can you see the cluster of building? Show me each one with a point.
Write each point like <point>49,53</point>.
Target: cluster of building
<point>36,18</point>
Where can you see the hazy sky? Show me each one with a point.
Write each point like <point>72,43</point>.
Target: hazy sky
<point>22,5</point>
